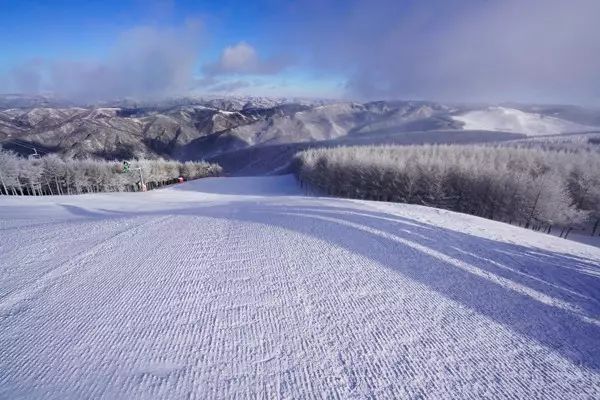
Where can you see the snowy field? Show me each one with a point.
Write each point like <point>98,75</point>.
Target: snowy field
<point>244,288</point>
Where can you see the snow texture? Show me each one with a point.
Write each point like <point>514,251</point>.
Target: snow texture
<point>244,288</point>
<point>517,121</point>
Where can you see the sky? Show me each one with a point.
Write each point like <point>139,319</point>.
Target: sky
<point>539,51</point>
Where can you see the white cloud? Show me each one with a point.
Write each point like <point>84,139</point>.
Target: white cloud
<point>243,59</point>
<point>239,58</point>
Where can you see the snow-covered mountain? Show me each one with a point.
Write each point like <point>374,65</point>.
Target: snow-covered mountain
<point>195,128</point>
<point>517,121</point>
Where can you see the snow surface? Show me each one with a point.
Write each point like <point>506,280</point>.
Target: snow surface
<point>517,121</point>
<point>243,287</point>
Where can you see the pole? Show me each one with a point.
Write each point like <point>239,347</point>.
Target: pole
<point>143,186</point>
<point>141,176</point>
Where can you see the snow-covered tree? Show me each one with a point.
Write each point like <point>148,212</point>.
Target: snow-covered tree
<point>55,176</point>
<point>532,186</point>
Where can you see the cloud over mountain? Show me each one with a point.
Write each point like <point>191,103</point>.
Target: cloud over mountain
<point>145,62</point>
<point>243,59</point>
<point>533,50</point>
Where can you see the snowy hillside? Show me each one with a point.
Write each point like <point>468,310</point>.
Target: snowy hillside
<point>517,121</point>
<point>245,288</point>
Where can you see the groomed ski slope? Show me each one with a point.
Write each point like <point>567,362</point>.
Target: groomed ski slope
<point>245,288</point>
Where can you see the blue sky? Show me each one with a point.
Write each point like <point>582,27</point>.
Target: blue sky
<point>88,28</point>
<point>449,50</point>
<point>37,31</point>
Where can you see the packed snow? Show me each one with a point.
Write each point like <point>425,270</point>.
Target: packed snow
<point>517,121</point>
<point>247,288</point>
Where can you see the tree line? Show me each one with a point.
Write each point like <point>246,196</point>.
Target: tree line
<point>533,187</point>
<point>52,175</point>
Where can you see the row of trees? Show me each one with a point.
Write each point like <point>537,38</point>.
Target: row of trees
<point>51,175</point>
<point>534,187</point>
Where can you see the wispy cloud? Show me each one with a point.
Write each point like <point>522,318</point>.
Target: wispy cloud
<point>229,87</point>
<point>145,62</point>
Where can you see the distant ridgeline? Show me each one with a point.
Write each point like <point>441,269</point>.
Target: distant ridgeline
<point>51,175</point>
<point>536,187</point>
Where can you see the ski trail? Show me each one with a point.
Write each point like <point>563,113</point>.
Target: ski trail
<point>290,298</point>
<point>507,283</point>
<point>12,299</point>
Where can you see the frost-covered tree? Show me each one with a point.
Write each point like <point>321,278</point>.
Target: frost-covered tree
<point>532,186</point>
<point>584,187</point>
<point>9,173</point>
<point>51,175</point>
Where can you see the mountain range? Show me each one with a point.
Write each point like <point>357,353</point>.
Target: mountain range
<point>244,131</point>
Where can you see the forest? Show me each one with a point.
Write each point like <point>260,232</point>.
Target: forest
<point>533,187</point>
<point>52,175</point>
